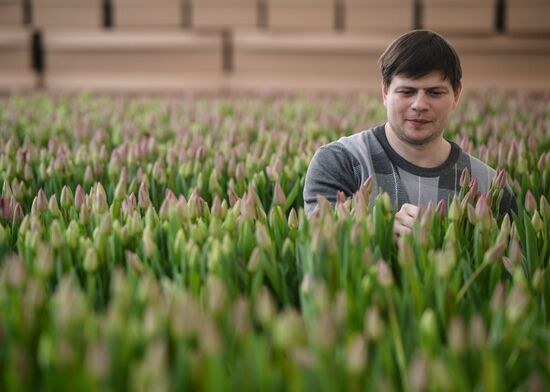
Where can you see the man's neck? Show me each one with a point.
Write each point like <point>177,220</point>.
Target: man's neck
<point>429,155</point>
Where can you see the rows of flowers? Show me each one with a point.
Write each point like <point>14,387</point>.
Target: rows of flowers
<point>161,244</point>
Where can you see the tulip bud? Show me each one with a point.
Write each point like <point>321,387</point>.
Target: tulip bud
<point>516,303</point>
<point>293,219</point>
<point>457,335</point>
<point>159,173</point>
<point>41,201</point>
<point>66,197</point>
<point>129,205</point>
<point>429,332</point>
<point>120,190</point>
<point>44,263</point>
<point>530,202</point>
<point>497,299</point>
<point>538,279</point>
<point>441,208</point>
<point>385,276</point>
<point>356,354</point>
<point>134,262</point>
<point>514,252</point>
<point>405,254</point>
<point>373,325</point>
<point>143,196</point>
<point>18,214</point>
<point>544,206</point>
<point>72,235</point>
<point>262,237</point>
<point>477,332</point>
<point>56,236</point>
<point>279,197</point>
<point>264,307</point>
<point>54,207</point>
<point>495,252</point>
<point>100,205</point>
<point>115,165</point>
<point>216,209</point>
<point>79,197</point>
<point>288,329</point>
<point>418,373</point>
<point>149,246</point>
<point>537,223</point>
<point>454,210</point>
<point>88,175</point>
<point>90,260</point>
<point>254,261</point>
<point>6,212</point>
<point>465,178</point>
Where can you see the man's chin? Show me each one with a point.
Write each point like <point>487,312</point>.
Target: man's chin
<point>418,140</point>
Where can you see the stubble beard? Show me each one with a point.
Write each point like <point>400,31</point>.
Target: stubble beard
<point>414,142</point>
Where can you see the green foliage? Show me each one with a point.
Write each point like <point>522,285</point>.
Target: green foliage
<point>162,244</point>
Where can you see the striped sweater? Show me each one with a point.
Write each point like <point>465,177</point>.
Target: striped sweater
<point>345,164</point>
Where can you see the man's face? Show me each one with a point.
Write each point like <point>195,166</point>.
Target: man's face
<point>418,110</point>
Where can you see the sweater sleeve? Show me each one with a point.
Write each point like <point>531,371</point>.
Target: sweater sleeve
<point>508,203</point>
<point>331,169</point>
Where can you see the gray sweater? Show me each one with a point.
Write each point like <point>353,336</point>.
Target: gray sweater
<point>345,164</point>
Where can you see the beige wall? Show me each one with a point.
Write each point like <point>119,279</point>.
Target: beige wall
<point>262,44</point>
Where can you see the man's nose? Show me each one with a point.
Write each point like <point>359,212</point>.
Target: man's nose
<point>420,102</point>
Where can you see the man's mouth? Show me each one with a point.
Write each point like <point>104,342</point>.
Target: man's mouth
<point>418,121</point>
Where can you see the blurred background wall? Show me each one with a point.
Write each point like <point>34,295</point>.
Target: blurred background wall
<point>257,45</point>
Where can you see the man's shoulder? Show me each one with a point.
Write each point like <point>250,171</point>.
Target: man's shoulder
<point>357,144</point>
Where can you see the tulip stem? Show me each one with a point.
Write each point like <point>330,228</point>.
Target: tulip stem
<point>471,280</point>
<point>399,350</point>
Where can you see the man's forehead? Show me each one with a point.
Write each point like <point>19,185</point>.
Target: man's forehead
<point>431,80</point>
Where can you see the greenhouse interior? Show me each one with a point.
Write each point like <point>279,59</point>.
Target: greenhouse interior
<point>275,195</point>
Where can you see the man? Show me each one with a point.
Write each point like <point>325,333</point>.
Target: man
<point>408,156</point>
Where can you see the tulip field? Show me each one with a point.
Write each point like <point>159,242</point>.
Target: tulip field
<point>156,244</point>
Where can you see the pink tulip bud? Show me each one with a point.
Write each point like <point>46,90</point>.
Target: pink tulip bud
<point>385,276</point>
<point>496,252</point>
<point>513,152</point>
<point>232,195</point>
<point>143,196</point>
<point>530,202</point>
<point>6,212</point>
<point>41,201</point>
<point>473,187</point>
<point>88,175</point>
<point>279,197</point>
<point>216,209</point>
<point>498,297</point>
<point>465,177</point>
<point>79,197</point>
<point>483,208</point>
<point>18,214</point>
<point>500,178</point>
<point>441,208</point>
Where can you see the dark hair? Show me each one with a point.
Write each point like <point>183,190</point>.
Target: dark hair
<point>418,53</point>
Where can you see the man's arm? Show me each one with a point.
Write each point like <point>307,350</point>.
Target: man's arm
<point>331,169</point>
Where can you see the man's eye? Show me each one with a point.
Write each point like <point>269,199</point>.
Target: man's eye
<point>407,92</point>
<point>436,93</point>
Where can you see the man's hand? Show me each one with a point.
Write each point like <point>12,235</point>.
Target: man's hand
<point>404,219</point>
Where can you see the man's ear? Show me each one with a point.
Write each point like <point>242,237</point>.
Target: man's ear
<point>457,93</point>
<point>384,91</point>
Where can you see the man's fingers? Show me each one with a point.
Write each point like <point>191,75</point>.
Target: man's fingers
<point>404,219</point>
<point>409,209</point>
